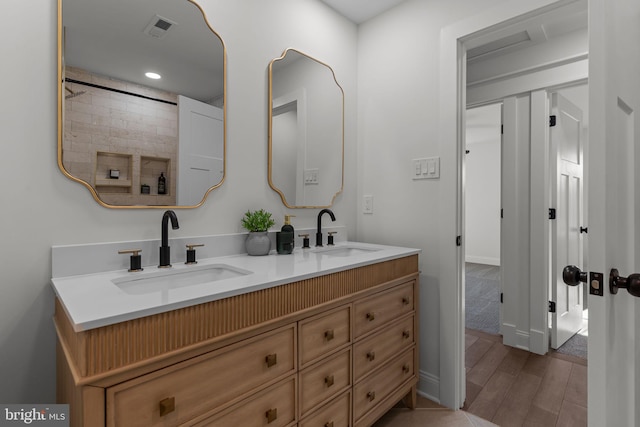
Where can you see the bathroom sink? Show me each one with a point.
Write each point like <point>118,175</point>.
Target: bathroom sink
<point>345,251</point>
<point>146,283</point>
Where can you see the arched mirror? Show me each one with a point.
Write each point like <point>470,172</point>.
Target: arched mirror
<point>134,139</point>
<point>306,131</point>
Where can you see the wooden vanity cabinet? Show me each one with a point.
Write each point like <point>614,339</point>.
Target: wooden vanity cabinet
<point>336,350</point>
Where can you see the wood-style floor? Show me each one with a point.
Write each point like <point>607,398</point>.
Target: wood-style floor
<point>513,387</point>
<point>508,387</point>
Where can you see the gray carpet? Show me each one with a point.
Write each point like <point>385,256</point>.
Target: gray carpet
<point>482,298</point>
<point>482,311</point>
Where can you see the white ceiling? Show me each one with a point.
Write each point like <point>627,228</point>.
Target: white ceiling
<point>360,11</point>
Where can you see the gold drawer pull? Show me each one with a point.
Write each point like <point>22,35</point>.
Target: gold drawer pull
<point>405,301</point>
<point>271,360</point>
<point>406,369</point>
<point>328,335</point>
<point>329,424</point>
<point>371,356</point>
<point>371,396</point>
<point>272,415</point>
<point>406,334</point>
<point>328,380</point>
<point>371,316</point>
<point>167,406</point>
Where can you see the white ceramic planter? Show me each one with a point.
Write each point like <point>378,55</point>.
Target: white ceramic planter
<point>258,243</point>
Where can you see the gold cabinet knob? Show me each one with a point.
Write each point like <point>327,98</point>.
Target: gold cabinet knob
<point>271,359</point>
<point>272,415</point>
<point>328,335</point>
<point>371,316</point>
<point>328,380</point>
<point>167,406</point>
<point>406,334</point>
<point>371,356</point>
<point>371,396</point>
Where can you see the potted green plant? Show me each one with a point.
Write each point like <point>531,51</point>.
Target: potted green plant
<point>258,223</point>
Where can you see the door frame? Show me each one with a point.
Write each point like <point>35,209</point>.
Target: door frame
<point>455,41</point>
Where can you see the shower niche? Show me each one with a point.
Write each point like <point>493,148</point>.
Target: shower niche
<point>113,172</point>
<point>131,179</point>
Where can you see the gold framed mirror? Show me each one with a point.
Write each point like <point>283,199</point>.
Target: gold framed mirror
<point>132,140</point>
<point>306,131</point>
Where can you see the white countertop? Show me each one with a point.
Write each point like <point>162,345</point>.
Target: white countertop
<point>95,300</point>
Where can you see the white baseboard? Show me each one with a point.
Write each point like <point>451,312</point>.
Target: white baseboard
<point>482,260</point>
<point>429,386</point>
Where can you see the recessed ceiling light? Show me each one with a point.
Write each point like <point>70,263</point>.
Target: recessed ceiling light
<point>151,75</point>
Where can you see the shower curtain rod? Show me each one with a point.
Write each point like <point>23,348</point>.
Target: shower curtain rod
<point>118,91</point>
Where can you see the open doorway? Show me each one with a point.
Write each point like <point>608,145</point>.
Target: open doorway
<point>459,42</point>
<point>515,71</point>
<point>482,219</point>
<point>483,212</point>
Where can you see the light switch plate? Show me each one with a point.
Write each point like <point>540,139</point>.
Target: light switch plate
<point>425,168</point>
<point>311,176</point>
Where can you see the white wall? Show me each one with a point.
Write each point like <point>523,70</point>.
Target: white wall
<point>41,207</point>
<point>398,120</point>
<point>482,185</point>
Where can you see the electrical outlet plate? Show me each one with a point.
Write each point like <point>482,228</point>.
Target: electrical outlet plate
<point>367,206</point>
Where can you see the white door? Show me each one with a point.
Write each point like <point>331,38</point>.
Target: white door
<point>614,204</point>
<point>514,227</point>
<point>200,149</point>
<point>566,164</point>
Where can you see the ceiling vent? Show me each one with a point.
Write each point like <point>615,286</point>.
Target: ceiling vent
<point>159,27</point>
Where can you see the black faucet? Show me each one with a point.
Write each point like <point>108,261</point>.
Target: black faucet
<point>165,250</point>
<point>319,232</point>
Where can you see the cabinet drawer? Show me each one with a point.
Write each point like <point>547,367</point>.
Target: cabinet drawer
<point>319,335</point>
<point>324,380</point>
<point>381,308</point>
<point>376,349</point>
<point>273,407</point>
<point>376,387</point>
<point>336,413</point>
<point>180,392</point>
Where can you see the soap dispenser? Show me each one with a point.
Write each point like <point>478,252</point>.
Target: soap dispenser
<point>285,238</point>
<point>287,224</point>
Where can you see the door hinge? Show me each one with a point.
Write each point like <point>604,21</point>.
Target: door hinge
<point>501,129</point>
<point>552,306</point>
<point>501,297</point>
<point>552,121</point>
<point>458,240</point>
<point>501,213</point>
<point>552,213</point>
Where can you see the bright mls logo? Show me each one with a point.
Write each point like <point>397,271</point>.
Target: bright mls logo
<point>39,415</point>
